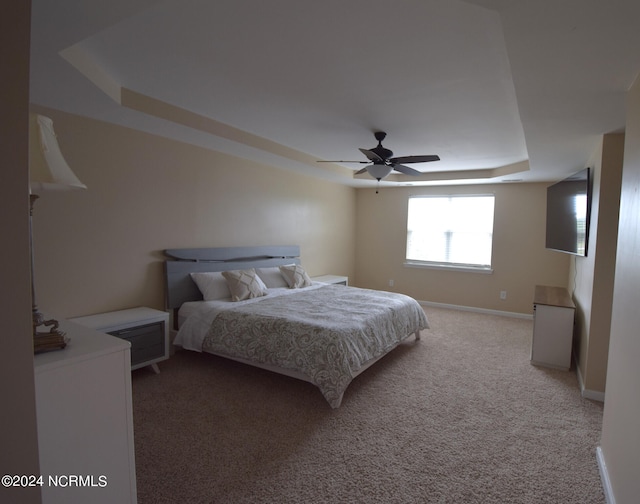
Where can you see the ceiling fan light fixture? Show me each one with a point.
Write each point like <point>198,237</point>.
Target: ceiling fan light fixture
<point>378,171</point>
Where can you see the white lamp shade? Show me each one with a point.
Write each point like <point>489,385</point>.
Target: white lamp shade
<point>378,171</point>
<point>48,170</point>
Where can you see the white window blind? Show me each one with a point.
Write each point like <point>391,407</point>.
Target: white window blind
<point>450,230</point>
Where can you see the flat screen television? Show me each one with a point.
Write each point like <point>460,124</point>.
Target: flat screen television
<point>568,213</point>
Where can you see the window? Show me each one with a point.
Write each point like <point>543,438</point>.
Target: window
<point>450,231</point>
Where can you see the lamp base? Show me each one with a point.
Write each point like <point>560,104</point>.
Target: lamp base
<point>46,341</point>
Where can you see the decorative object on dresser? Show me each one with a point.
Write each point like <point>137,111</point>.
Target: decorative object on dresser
<point>553,318</point>
<point>145,328</point>
<point>85,419</point>
<point>48,171</point>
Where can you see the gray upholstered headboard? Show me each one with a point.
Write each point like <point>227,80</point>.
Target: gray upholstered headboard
<point>180,263</point>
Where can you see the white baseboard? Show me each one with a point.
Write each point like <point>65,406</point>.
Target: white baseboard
<point>604,477</point>
<point>478,310</point>
<point>594,395</point>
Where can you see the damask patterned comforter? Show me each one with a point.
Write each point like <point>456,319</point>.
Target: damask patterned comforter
<point>328,333</point>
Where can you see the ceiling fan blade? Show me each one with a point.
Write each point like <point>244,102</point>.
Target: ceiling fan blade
<point>359,162</point>
<point>372,156</point>
<point>363,170</point>
<point>405,169</point>
<point>415,159</point>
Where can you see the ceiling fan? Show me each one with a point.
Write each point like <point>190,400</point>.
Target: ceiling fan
<point>382,161</point>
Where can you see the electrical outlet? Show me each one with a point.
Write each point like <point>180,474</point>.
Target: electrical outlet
<point>503,295</point>
<point>391,283</point>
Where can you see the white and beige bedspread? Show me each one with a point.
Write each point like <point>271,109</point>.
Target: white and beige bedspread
<point>328,333</point>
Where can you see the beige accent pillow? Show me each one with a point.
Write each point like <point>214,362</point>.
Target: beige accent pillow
<point>244,284</point>
<point>295,275</point>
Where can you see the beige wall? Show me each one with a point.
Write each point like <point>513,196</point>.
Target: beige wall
<point>520,260</point>
<point>100,249</point>
<point>592,277</point>
<point>620,442</point>
<point>18,429</point>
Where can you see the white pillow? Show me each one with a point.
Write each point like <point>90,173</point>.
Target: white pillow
<point>244,284</point>
<point>212,285</point>
<point>295,275</point>
<point>272,277</point>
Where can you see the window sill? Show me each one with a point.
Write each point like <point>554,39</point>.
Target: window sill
<point>448,267</point>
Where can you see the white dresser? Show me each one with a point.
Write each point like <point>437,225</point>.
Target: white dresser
<point>85,419</point>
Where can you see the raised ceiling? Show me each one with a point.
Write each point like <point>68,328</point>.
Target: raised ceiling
<point>502,90</point>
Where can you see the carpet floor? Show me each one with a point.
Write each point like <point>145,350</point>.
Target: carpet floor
<point>460,416</point>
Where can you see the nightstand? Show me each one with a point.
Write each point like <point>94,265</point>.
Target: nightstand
<point>145,328</point>
<point>332,279</point>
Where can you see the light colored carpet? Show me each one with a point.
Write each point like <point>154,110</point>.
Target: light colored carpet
<point>460,416</point>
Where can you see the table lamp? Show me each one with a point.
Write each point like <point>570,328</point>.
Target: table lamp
<point>48,171</point>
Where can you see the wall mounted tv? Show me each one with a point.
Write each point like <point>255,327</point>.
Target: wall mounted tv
<point>568,213</point>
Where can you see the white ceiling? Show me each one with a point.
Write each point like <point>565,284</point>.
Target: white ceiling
<point>500,89</point>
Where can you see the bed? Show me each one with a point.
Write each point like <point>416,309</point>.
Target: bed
<point>257,305</point>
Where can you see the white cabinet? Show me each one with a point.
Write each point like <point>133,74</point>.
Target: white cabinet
<point>85,419</point>
<point>553,317</point>
<point>145,328</point>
